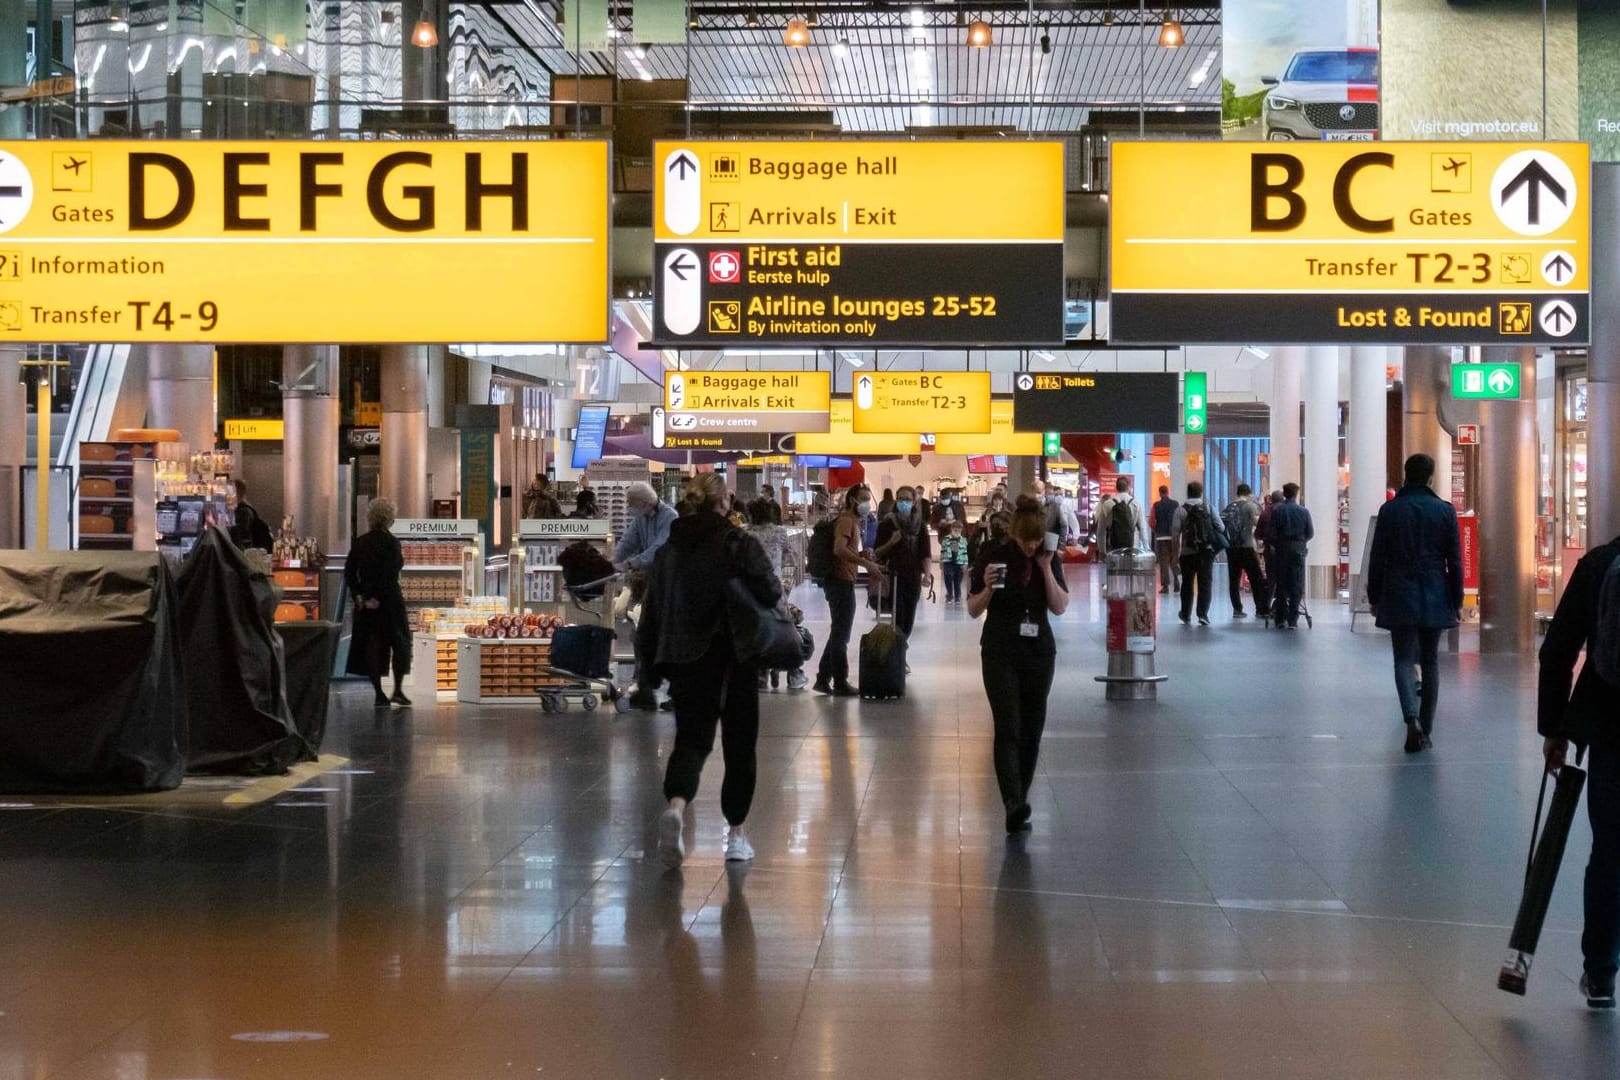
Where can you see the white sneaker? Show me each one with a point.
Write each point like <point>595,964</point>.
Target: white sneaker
<point>671,842</point>
<point>738,849</point>
<point>797,680</point>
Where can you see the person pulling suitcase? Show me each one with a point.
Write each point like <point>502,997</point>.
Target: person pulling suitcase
<point>1016,584</point>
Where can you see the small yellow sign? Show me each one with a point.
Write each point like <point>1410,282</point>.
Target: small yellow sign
<point>285,241</point>
<point>748,391</point>
<point>1002,439</point>
<point>943,402</point>
<point>842,440</point>
<point>853,191</point>
<point>254,430</point>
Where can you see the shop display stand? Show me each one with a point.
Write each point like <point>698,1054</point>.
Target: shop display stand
<point>610,478</point>
<point>542,542</point>
<point>503,671</point>
<point>117,496</point>
<point>444,561</point>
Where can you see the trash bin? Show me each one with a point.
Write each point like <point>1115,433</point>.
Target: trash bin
<point>1130,591</point>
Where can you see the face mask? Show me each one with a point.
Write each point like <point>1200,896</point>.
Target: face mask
<point>863,507</point>
<point>903,506</point>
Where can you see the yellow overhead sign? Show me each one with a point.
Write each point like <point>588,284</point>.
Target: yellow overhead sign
<point>254,430</point>
<point>748,391</point>
<point>842,440</point>
<point>303,241</point>
<point>943,402</point>
<point>1002,439</point>
<point>1385,242</point>
<point>858,191</point>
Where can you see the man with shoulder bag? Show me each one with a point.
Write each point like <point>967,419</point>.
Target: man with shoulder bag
<point>1202,537</point>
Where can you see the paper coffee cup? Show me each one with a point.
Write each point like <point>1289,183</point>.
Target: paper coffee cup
<point>1000,578</point>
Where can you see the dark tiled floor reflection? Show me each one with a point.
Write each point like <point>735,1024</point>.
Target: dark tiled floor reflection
<point>1245,879</point>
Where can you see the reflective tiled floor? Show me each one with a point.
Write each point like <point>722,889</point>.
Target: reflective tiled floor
<point>1246,879</point>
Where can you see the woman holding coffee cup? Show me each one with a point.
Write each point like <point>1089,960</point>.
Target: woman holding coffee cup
<point>1019,582</point>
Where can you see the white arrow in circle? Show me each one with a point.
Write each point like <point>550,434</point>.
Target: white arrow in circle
<point>16,192</point>
<point>1557,318</point>
<point>1558,267</point>
<point>1534,192</point>
<point>1501,382</point>
<point>1195,422</point>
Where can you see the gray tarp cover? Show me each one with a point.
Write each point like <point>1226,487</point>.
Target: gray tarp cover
<point>235,674</point>
<point>90,689</point>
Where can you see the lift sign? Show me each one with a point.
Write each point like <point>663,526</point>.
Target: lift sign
<point>303,242</point>
<point>1408,243</point>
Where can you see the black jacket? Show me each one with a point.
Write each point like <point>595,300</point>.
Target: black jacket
<point>686,589</point>
<point>1414,571</point>
<point>1589,714</point>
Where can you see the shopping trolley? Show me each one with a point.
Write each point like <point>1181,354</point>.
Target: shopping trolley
<point>582,661</point>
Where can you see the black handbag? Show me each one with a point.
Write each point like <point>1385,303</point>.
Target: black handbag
<point>762,636</point>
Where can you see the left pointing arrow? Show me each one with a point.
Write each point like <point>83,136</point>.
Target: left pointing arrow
<point>679,266</point>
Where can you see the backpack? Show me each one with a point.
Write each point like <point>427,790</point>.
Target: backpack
<point>819,562</point>
<point>1232,518</point>
<point>1164,516</point>
<point>1197,531</point>
<point>1604,648</point>
<point>1121,530</point>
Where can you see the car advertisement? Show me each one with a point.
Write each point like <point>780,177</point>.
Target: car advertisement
<point>1600,78</point>
<point>1473,69</point>
<point>1300,70</point>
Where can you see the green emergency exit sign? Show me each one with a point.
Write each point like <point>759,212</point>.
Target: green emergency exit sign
<point>1485,381</point>
<point>1051,444</point>
<point>1195,403</point>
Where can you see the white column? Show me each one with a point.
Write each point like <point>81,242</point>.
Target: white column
<point>1286,393</point>
<point>1321,484</point>
<point>13,440</point>
<point>1178,471</point>
<point>180,382</point>
<point>1369,447</point>
<point>310,407</point>
<point>404,427</point>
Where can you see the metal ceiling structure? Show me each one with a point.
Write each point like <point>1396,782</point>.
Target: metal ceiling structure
<point>892,67</point>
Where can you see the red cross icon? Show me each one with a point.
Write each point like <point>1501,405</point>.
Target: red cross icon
<point>725,267</point>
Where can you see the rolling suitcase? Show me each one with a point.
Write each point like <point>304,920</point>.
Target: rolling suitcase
<point>1546,853</point>
<point>883,657</point>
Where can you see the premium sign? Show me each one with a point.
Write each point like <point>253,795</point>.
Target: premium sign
<point>1408,243</point>
<point>1001,439</point>
<point>842,439</point>
<point>862,244</point>
<point>942,402</point>
<point>743,401</point>
<point>303,241</point>
<point>1097,402</point>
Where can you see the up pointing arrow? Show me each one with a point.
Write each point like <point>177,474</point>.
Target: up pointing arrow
<point>1533,177</point>
<point>1558,317</point>
<point>684,161</point>
<point>1560,269</point>
<point>1501,381</point>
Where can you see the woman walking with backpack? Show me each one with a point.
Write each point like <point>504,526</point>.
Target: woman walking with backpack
<point>1016,584</point>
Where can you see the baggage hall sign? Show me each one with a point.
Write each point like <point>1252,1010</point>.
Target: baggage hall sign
<point>858,244</point>
<point>1406,243</point>
<point>107,241</point>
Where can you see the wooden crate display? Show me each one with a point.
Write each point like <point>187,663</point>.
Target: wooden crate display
<point>512,668</point>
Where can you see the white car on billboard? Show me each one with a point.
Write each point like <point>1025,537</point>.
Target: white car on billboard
<point>1329,93</point>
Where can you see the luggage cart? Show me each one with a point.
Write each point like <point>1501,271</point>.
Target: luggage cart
<point>582,660</point>
<point>1269,615</point>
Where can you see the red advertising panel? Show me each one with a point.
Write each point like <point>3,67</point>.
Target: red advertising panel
<point>1468,529</point>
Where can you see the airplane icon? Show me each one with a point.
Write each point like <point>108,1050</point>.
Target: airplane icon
<point>71,172</point>
<point>1454,166</point>
<point>73,164</point>
<point>1451,173</point>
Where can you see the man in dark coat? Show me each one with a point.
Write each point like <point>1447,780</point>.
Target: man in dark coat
<point>1588,718</point>
<point>1289,532</point>
<point>382,631</point>
<point>1414,584</point>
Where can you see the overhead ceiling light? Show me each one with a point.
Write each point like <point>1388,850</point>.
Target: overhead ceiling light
<point>424,35</point>
<point>1255,350</point>
<point>752,22</point>
<point>919,17</point>
<point>639,52</point>
<point>797,34</point>
<point>841,49</point>
<point>1108,16</point>
<point>1171,36</point>
<point>978,34</point>
<point>562,16</point>
<point>1046,40</point>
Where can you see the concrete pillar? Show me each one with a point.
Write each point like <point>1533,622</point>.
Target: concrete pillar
<point>1506,502</point>
<point>1287,390</point>
<point>1369,445</point>
<point>404,427</point>
<point>1178,472</point>
<point>1425,371</point>
<point>1320,488</point>
<point>180,392</point>
<point>13,62</point>
<point>13,441</point>
<point>310,408</point>
<point>1021,476</point>
<point>1603,362</point>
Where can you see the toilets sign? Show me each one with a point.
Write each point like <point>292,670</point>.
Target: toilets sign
<point>1403,243</point>
<point>144,241</point>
